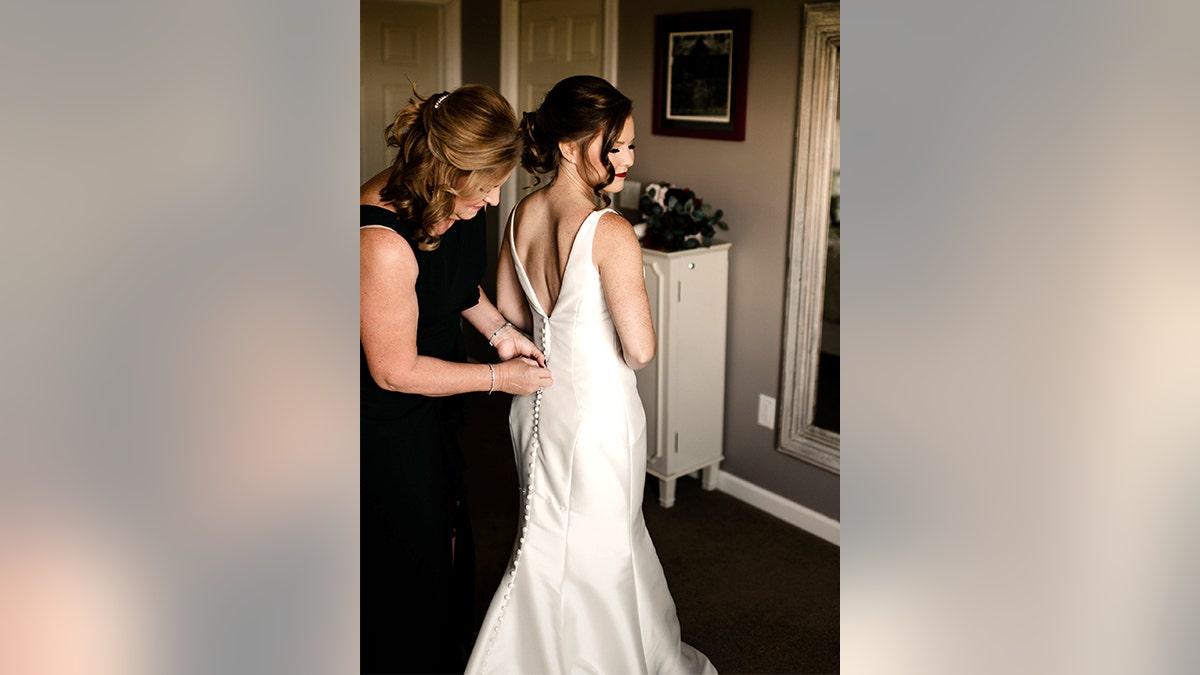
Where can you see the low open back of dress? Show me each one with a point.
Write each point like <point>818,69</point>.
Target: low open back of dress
<point>544,298</point>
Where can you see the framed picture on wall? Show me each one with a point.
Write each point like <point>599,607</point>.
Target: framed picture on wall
<point>701,60</point>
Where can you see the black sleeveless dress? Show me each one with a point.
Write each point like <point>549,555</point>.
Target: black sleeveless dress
<point>417,595</point>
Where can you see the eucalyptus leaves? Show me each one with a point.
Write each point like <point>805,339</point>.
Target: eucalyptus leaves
<point>676,219</point>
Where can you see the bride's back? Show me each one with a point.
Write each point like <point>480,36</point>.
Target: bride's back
<point>544,236</point>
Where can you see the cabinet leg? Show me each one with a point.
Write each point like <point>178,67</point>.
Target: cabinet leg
<point>709,477</point>
<point>666,492</point>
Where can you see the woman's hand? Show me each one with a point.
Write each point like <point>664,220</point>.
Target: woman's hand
<point>522,376</point>
<point>511,343</point>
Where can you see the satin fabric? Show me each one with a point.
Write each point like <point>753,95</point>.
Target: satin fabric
<point>584,591</point>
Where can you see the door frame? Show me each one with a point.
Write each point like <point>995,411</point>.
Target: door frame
<point>510,70</point>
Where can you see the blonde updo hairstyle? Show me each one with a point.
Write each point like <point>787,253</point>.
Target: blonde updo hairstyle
<point>451,145</point>
<point>576,110</point>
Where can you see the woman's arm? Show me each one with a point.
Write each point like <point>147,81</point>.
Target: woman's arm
<point>388,326</point>
<point>508,341</point>
<point>618,256</point>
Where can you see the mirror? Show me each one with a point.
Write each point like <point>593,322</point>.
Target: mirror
<point>827,408</point>
<point>809,401</point>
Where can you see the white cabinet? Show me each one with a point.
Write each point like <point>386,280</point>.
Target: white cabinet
<point>683,388</point>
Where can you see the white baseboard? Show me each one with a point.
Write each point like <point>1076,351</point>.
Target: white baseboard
<point>802,517</point>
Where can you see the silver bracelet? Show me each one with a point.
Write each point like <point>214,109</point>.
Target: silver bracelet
<point>493,372</point>
<point>497,332</point>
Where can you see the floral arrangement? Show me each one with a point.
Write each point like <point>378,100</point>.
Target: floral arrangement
<point>676,219</point>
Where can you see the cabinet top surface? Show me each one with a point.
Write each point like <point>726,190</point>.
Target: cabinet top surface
<point>717,247</point>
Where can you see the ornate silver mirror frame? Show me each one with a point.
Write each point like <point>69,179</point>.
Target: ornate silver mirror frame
<point>817,111</point>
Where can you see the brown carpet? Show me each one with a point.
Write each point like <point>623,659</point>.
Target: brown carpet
<point>753,593</point>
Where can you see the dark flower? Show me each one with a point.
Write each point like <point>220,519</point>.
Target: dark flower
<point>677,219</point>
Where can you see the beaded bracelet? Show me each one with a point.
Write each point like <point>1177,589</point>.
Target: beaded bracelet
<point>497,332</point>
<point>493,372</point>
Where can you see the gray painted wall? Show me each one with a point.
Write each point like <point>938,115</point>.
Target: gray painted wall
<point>481,42</point>
<point>751,181</point>
<point>481,65</point>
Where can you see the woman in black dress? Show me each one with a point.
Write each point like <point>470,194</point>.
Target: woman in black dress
<point>422,256</point>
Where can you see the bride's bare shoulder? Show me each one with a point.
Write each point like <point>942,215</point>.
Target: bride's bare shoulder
<point>615,236</point>
<point>613,224</point>
<point>613,219</point>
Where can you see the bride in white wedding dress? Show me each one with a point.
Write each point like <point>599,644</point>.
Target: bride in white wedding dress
<point>584,591</point>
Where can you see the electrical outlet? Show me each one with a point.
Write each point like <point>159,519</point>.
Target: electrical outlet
<point>766,411</point>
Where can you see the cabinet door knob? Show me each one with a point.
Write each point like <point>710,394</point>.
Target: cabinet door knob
<point>691,266</point>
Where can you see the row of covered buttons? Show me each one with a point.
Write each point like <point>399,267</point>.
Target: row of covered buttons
<point>534,446</point>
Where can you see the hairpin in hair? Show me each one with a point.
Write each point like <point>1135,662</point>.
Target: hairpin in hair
<point>438,103</point>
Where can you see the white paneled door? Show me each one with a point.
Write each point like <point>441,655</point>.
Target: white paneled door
<point>400,42</point>
<point>559,38</point>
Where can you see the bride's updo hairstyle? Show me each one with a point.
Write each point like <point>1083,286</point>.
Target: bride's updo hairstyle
<point>575,110</point>
<point>454,144</point>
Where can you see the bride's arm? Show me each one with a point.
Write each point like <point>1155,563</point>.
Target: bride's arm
<point>618,256</point>
<point>510,297</point>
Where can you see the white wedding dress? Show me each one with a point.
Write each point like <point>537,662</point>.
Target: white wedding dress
<point>584,591</point>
